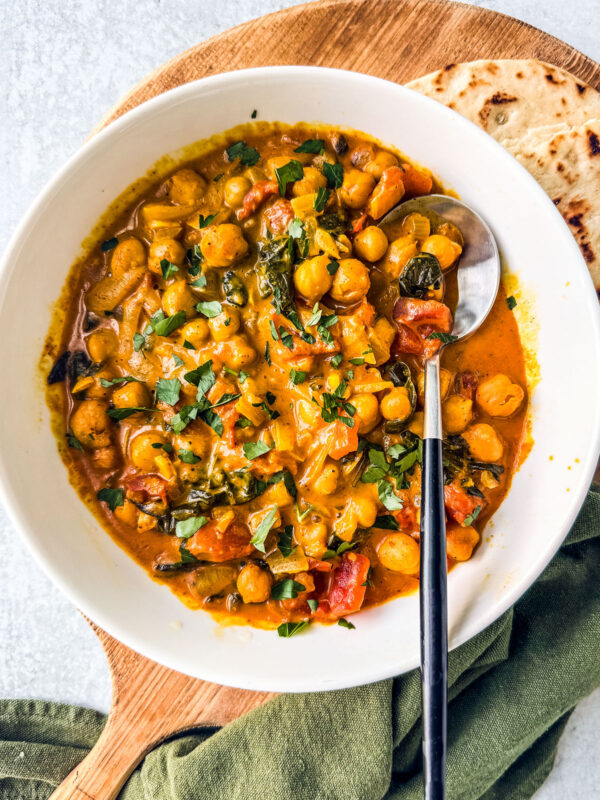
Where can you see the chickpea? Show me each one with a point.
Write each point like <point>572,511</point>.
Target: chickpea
<point>312,279</point>
<point>351,282</point>
<point>396,404</point>
<point>254,584</point>
<point>186,187</point>
<point>236,189</point>
<point>356,188</point>
<point>400,553</point>
<point>131,395</point>
<point>366,511</point>
<point>398,255</point>
<point>127,513</point>
<point>327,481</point>
<point>311,181</point>
<point>445,250</point>
<point>484,443</point>
<point>312,538</point>
<point>106,457</point>
<point>445,381</point>
<point>381,162</point>
<point>141,451</point>
<point>195,331</point>
<point>102,344</point>
<point>367,411</point>
<point>460,541</point>
<point>223,245</point>
<point>178,297</point>
<point>237,353</point>
<point>169,249</point>
<point>370,244</point>
<point>224,325</point>
<point>457,412</point>
<point>91,424</point>
<point>498,396</point>
<point>128,254</point>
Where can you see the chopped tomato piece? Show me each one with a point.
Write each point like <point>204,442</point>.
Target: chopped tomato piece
<point>421,317</point>
<point>319,566</point>
<point>388,192</point>
<point>255,197</point>
<point>211,544</point>
<point>406,517</point>
<point>459,504</point>
<point>344,441</point>
<point>229,416</point>
<point>279,215</point>
<point>358,224</point>
<point>406,341</point>
<point>466,384</point>
<point>348,586</point>
<point>151,485</point>
<point>415,182</point>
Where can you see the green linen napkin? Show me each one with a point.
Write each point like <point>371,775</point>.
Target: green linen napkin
<point>512,689</point>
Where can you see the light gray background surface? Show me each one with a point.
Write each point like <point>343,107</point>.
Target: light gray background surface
<point>63,64</point>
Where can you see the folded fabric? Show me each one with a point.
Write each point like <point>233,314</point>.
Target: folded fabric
<point>512,689</point>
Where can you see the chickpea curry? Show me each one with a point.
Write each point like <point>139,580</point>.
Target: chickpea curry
<point>241,379</point>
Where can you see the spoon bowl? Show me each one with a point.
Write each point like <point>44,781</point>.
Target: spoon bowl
<point>479,267</point>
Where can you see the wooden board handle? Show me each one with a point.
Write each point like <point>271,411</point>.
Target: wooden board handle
<point>150,704</point>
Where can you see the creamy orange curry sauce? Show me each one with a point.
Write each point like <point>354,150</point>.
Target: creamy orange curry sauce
<point>240,380</point>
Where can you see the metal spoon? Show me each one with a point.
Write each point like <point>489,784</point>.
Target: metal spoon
<point>478,281</point>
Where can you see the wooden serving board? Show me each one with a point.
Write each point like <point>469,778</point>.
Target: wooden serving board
<point>394,39</point>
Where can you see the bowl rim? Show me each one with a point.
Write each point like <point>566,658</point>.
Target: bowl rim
<point>93,608</point>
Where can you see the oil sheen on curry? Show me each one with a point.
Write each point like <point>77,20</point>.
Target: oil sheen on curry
<point>240,381</point>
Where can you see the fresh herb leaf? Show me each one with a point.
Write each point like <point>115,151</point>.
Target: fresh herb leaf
<point>218,177</point>
<point>167,391</point>
<point>387,496</point>
<point>210,308</point>
<point>297,376</point>
<point>378,467</point>
<point>287,340</point>
<point>188,527</point>
<point>511,302</point>
<point>446,338</point>
<point>288,479</point>
<point>178,361</point>
<point>167,268</point>
<point>287,629</point>
<point>116,381</point>
<point>273,330</point>
<point>123,413</point>
<point>247,155</point>
<point>194,258</point>
<point>204,222</point>
<point>288,173</point>
<point>112,497</point>
<point>138,342</point>
<point>73,441</point>
<point>200,282</point>
<point>262,531</point>
<point>317,313</point>
<point>333,266</point>
<point>334,174</point>
<point>303,514</point>
<point>286,546</point>
<point>343,623</point>
<point>243,376</point>
<point>470,519</point>
<point>253,114</point>
<point>213,420</point>
<point>188,345</point>
<point>255,449</point>
<point>287,589</point>
<point>168,448</point>
<point>164,326</point>
<point>296,229</point>
<point>312,604</point>
<point>109,244</point>
<point>268,354</point>
<point>179,421</point>
<point>314,146</point>
<point>358,362</point>
<point>228,397</point>
<point>337,360</point>
<point>187,456</point>
<point>321,199</point>
<point>203,377</point>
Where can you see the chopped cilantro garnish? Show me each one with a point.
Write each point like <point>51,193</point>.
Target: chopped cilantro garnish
<point>297,376</point>
<point>210,308</point>
<point>343,623</point>
<point>188,527</point>
<point>470,519</point>
<point>187,456</point>
<point>314,146</point>
<point>287,589</point>
<point>446,338</point>
<point>288,173</point>
<point>287,629</point>
<point>262,531</point>
<point>204,222</point>
<point>511,302</point>
<point>334,174</point>
<point>255,449</point>
<point>112,497</point>
<point>321,199</point>
<point>247,155</point>
<point>109,244</point>
<point>167,268</point>
<point>167,391</point>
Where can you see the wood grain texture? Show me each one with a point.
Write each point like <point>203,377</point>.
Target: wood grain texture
<point>394,39</point>
<point>150,703</point>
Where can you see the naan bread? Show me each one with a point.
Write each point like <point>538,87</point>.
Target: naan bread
<point>548,119</point>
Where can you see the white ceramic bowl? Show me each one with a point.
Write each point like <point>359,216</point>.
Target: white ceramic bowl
<point>546,493</point>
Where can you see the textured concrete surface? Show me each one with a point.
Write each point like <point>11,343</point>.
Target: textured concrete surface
<point>62,65</point>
